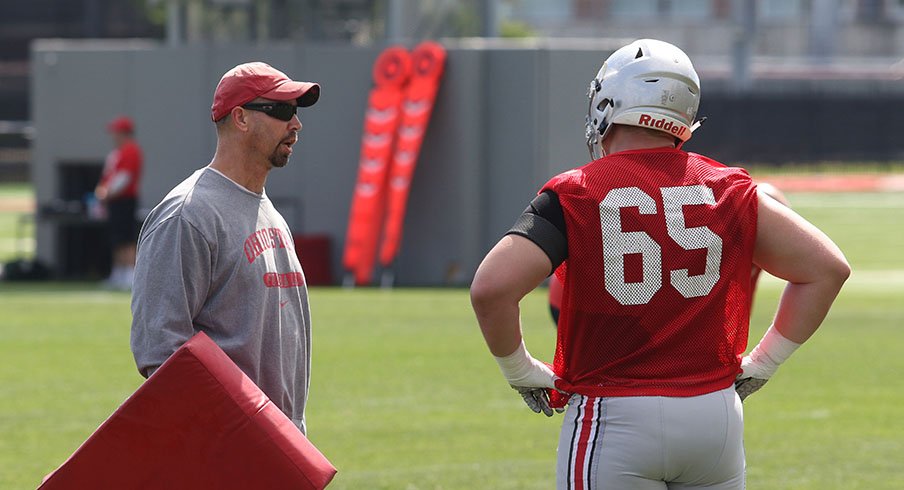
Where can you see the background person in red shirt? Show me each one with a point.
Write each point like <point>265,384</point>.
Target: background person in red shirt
<point>118,191</point>
<point>654,247</point>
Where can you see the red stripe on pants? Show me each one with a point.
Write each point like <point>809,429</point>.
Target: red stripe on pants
<point>583,440</point>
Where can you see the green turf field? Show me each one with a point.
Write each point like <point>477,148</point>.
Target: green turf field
<point>405,395</point>
<point>12,197</point>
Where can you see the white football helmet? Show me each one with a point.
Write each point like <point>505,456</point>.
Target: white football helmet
<point>648,83</point>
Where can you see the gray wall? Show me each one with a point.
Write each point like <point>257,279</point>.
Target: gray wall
<point>498,132</point>
<point>507,117</point>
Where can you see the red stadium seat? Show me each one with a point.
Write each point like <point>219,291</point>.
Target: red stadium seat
<point>198,422</point>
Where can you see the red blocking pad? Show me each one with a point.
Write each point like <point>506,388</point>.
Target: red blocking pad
<point>198,422</point>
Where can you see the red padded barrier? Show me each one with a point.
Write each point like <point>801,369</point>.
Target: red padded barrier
<point>315,254</point>
<point>198,422</point>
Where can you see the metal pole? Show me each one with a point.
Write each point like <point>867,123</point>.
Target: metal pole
<point>252,9</point>
<point>745,30</point>
<point>174,21</point>
<point>823,29</point>
<point>92,19</point>
<point>490,18</point>
<point>394,21</point>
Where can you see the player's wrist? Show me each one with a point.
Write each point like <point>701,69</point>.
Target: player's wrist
<point>772,350</point>
<point>515,365</point>
<point>520,369</point>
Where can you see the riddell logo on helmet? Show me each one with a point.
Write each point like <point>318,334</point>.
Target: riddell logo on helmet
<point>663,124</point>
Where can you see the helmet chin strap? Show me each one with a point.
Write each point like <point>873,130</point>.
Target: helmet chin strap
<point>694,127</point>
<point>602,148</point>
<point>697,124</point>
<point>602,137</point>
<point>596,148</point>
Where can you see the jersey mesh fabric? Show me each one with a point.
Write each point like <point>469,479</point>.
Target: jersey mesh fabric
<point>657,280</point>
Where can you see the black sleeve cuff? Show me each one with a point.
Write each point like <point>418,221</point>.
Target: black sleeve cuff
<point>544,234</point>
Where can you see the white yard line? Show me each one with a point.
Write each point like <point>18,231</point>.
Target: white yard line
<point>868,278</point>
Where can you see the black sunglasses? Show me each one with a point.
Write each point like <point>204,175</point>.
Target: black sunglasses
<point>280,110</point>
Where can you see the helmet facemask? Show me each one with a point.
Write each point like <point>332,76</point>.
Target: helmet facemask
<point>599,116</point>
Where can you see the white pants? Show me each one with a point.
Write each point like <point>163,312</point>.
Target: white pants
<point>652,442</point>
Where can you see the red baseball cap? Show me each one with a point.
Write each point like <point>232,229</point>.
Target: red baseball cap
<point>249,81</point>
<point>121,124</point>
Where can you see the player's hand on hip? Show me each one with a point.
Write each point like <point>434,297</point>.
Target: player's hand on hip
<point>530,378</point>
<point>747,386</point>
<point>763,361</point>
<point>537,399</point>
<point>753,376</point>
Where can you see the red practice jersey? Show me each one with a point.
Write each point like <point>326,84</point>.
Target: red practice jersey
<point>657,280</point>
<point>126,158</point>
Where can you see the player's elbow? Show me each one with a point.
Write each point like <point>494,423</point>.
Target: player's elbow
<point>839,270</point>
<point>483,293</point>
<point>831,271</point>
<point>488,292</point>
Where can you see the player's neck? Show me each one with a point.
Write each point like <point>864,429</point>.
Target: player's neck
<point>625,139</point>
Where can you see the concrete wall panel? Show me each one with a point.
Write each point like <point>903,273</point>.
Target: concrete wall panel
<point>506,119</point>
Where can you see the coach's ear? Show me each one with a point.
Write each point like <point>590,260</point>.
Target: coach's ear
<point>239,117</point>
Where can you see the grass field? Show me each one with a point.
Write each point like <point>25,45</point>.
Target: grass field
<point>405,395</point>
<point>15,201</point>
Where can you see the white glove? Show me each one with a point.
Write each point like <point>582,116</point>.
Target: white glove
<point>529,377</point>
<point>762,362</point>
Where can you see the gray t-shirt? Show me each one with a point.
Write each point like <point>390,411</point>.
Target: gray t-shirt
<point>218,258</point>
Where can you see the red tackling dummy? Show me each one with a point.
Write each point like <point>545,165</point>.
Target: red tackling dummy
<point>198,422</point>
<point>390,73</point>
<point>428,61</point>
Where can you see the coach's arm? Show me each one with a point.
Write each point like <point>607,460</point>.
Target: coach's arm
<point>172,278</point>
